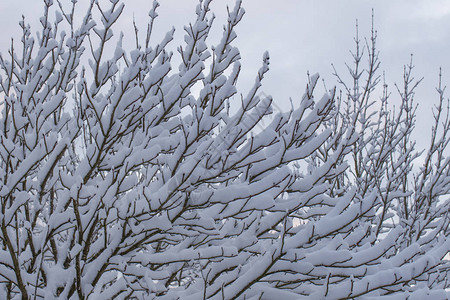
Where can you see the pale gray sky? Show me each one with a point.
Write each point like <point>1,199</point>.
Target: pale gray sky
<point>302,35</point>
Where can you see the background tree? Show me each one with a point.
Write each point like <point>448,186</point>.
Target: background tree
<point>118,181</point>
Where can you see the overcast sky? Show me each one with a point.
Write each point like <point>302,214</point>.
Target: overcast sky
<point>303,35</point>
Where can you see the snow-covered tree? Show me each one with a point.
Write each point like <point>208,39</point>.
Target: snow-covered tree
<point>118,181</point>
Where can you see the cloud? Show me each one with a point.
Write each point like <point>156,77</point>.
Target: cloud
<point>300,36</point>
